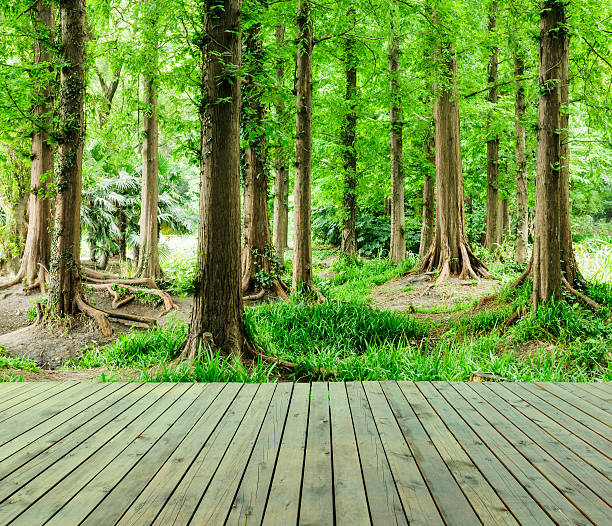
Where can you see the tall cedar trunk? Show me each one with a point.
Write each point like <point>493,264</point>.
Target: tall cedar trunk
<point>256,221</point>
<point>302,250</point>
<point>427,227</point>
<point>349,205</point>
<point>522,210</point>
<point>217,308</point>
<point>280,228</point>
<point>65,268</point>
<point>450,252</point>
<point>546,249</point>
<point>503,220</point>
<point>397,250</point>
<point>491,237</point>
<point>569,267</point>
<point>148,257</point>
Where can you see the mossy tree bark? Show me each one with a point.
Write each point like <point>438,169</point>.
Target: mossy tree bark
<point>450,252</point>
<point>349,131</point>
<point>65,267</point>
<point>522,210</point>
<point>397,251</point>
<point>217,310</point>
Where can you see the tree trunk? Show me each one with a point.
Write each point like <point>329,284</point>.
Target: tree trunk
<point>148,260</point>
<point>349,130</point>
<point>546,260</point>
<point>255,254</point>
<point>491,238</point>
<point>397,251</point>
<point>450,252</point>
<point>122,235</point>
<point>427,228</point>
<point>65,268</point>
<point>302,250</point>
<point>522,210</point>
<point>503,221</point>
<point>217,308</point>
<point>280,228</point>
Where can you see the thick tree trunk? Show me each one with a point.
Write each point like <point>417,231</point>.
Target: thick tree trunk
<point>148,260</point>
<point>255,255</point>
<point>427,227</point>
<point>397,251</point>
<point>217,310</point>
<point>450,252</point>
<point>503,221</point>
<point>349,130</point>
<point>491,238</point>
<point>302,249</point>
<point>546,260</point>
<point>65,268</point>
<point>280,229</point>
<point>522,210</point>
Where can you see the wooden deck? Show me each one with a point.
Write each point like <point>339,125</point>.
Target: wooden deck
<point>358,453</point>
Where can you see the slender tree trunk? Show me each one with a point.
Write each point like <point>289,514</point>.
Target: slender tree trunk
<point>522,210</point>
<point>503,220</point>
<point>65,268</point>
<point>280,228</point>
<point>427,228</point>
<point>217,310</point>
<point>302,250</point>
<point>122,235</point>
<point>450,252</point>
<point>256,222</point>
<point>349,130</point>
<point>148,259</point>
<point>546,260</point>
<point>398,234</point>
<point>491,238</point>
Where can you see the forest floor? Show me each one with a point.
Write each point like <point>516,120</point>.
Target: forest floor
<point>383,321</point>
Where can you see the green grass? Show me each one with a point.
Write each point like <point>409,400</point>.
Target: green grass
<point>15,364</point>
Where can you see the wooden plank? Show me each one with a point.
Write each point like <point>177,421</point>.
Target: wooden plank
<point>583,405</point>
<point>215,505</point>
<point>572,488</point>
<point>581,431</point>
<point>163,436</point>
<point>23,468</point>
<point>536,431</point>
<point>539,487</point>
<point>481,497</point>
<point>511,395</point>
<point>598,398</point>
<point>384,501</point>
<point>138,498</point>
<point>119,453</point>
<point>419,506</point>
<point>187,495</point>
<point>250,501</point>
<point>550,400</point>
<point>137,420</point>
<point>9,390</point>
<point>317,505</point>
<point>29,400</point>
<point>350,501</point>
<point>282,506</point>
<point>605,387</point>
<point>43,430</point>
<point>23,391</point>
<point>517,499</point>
<point>45,410</point>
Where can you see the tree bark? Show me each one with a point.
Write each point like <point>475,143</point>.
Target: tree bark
<point>450,252</point>
<point>397,251</point>
<point>427,227</point>
<point>522,210</point>
<point>302,250</point>
<point>65,267</point>
<point>280,229</point>
<point>546,260</point>
<point>349,131</point>
<point>148,259</point>
<point>491,237</point>
<point>217,308</point>
<point>255,255</point>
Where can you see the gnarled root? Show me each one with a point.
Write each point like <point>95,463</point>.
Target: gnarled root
<point>468,266</point>
<point>581,297</point>
<point>117,302</point>
<point>100,316</point>
<point>16,280</point>
<point>255,297</point>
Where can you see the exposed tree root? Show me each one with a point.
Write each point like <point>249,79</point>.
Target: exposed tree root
<point>15,281</point>
<point>97,314</point>
<point>468,266</point>
<point>255,297</point>
<point>118,302</point>
<point>582,297</point>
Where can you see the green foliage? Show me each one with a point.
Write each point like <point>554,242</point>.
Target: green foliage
<point>21,363</point>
